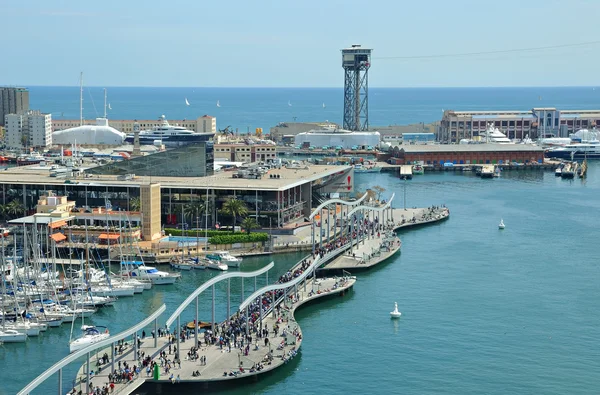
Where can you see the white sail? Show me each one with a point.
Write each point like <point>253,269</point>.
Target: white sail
<point>323,105</point>
<point>218,104</point>
<point>289,103</point>
<point>109,107</point>
<point>187,103</point>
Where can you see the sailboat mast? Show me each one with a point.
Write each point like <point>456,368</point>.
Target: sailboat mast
<point>81,99</point>
<point>206,222</point>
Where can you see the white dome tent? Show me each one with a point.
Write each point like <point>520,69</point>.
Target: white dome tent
<point>99,134</point>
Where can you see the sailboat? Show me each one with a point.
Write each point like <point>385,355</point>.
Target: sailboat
<point>218,104</point>
<point>91,335</point>
<point>8,335</point>
<point>501,224</point>
<point>187,103</point>
<point>289,103</point>
<point>109,107</point>
<point>395,313</point>
<point>323,105</point>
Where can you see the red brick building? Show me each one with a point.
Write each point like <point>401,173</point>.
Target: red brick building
<point>437,155</point>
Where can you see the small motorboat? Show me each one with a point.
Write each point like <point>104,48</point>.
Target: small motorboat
<point>501,224</point>
<point>12,336</point>
<point>201,325</point>
<point>225,257</point>
<point>395,313</point>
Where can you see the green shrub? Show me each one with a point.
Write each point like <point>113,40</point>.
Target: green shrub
<point>239,238</point>
<point>201,233</point>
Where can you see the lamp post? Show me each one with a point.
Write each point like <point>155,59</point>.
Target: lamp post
<point>404,194</point>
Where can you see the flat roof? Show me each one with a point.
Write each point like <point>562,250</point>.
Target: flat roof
<point>487,147</point>
<point>40,219</point>
<point>289,178</point>
<point>504,116</point>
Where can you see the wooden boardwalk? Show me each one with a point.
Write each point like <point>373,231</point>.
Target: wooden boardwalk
<point>222,364</point>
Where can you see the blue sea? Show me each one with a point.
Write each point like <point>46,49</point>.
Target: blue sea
<point>484,311</point>
<point>249,108</point>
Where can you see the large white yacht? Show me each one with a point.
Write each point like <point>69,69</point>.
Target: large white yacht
<point>493,135</point>
<point>581,151</point>
<point>169,135</point>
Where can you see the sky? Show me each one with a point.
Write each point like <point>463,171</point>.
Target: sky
<point>285,43</point>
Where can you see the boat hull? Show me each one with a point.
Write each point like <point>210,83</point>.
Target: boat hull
<point>81,343</point>
<point>163,280</point>
<point>12,336</point>
<point>370,170</point>
<point>170,141</point>
<point>578,155</point>
<point>181,266</point>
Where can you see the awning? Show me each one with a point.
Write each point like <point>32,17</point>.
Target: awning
<point>57,224</point>
<point>108,236</point>
<point>58,237</point>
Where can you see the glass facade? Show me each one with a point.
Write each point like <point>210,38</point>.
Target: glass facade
<point>193,160</point>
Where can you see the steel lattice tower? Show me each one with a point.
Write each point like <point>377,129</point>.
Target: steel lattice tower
<point>356,62</point>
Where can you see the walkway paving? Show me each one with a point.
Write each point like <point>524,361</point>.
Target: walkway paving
<point>404,218</point>
<point>367,254</point>
<point>221,364</point>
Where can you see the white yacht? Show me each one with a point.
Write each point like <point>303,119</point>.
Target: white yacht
<point>112,290</point>
<point>169,135</point>
<point>148,272</point>
<point>224,257</point>
<point>578,151</point>
<point>493,135</point>
<point>91,335</point>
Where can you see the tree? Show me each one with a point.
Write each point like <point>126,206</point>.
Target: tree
<point>135,204</point>
<point>235,208</point>
<point>194,210</point>
<point>370,195</point>
<point>14,208</point>
<point>249,223</point>
<point>378,190</point>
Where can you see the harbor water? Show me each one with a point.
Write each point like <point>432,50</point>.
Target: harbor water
<point>483,310</point>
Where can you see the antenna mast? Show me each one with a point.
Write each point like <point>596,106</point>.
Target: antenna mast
<point>104,102</point>
<point>81,99</point>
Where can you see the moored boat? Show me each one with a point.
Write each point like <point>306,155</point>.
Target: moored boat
<point>418,169</point>
<point>12,336</point>
<point>224,257</point>
<point>91,335</point>
<point>139,270</point>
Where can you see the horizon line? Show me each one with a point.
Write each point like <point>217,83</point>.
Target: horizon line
<point>299,87</point>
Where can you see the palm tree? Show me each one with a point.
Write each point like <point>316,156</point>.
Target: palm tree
<point>249,223</point>
<point>14,208</point>
<point>235,208</point>
<point>135,204</point>
<point>194,210</point>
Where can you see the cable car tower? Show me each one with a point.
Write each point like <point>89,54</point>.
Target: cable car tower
<point>356,62</point>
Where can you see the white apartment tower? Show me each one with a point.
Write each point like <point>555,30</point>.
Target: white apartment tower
<point>30,129</point>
